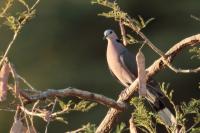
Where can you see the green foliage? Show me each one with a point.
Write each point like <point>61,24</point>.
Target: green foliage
<point>196,52</point>
<point>142,116</point>
<point>192,109</point>
<point>82,106</point>
<point>165,89</point>
<point>131,40</point>
<point>120,128</point>
<point>11,23</point>
<point>184,111</point>
<point>168,94</point>
<point>89,128</point>
<point>16,20</point>
<point>195,130</point>
<point>118,15</point>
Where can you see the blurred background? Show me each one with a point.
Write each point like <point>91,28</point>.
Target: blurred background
<point>62,46</point>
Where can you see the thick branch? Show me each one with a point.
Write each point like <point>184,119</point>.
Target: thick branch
<point>75,93</point>
<point>112,114</point>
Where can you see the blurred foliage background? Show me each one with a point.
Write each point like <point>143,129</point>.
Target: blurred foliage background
<point>62,46</point>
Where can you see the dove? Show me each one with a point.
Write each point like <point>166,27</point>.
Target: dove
<point>122,65</point>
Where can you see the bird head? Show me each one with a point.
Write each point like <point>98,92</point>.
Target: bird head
<point>110,34</point>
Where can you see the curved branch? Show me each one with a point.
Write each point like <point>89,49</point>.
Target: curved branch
<point>109,120</point>
<point>75,93</point>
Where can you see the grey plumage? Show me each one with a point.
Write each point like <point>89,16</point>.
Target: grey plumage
<point>122,65</point>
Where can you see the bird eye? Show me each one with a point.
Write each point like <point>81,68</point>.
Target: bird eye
<point>110,32</point>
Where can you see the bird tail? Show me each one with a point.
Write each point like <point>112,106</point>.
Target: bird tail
<point>165,114</point>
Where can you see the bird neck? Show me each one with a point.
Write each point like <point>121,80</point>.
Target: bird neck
<point>113,40</point>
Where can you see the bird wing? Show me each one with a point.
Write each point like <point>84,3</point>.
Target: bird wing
<point>115,77</point>
<point>129,62</point>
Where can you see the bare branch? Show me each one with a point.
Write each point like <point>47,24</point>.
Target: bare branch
<point>179,70</point>
<point>31,113</point>
<point>8,48</point>
<point>49,120</point>
<point>158,51</point>
<point>150,44</point>
<point>75,93</point>
<point>194,17</point>
<point>112,114</point>
<point>123,32</point>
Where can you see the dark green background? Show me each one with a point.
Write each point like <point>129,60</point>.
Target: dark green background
<point>62,46</point>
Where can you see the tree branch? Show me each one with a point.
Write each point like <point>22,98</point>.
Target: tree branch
<point>123,32</point>
<point>132,126</point>
<point>112,114</point>
<point>75,93</point>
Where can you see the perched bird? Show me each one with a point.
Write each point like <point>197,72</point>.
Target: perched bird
<point>122,65</point>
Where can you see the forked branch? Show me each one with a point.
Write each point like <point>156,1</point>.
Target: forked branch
<point>109,120</point>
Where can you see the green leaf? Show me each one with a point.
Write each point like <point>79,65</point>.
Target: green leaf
<point>84,106</point>
<point>120,128</point>
<point>196,52</point>
<point>65,106</point>
<point>131,40</point>
<point>195,130</point>
<point>11,22</point>
<point>89,128</point>
<point>142,116</point>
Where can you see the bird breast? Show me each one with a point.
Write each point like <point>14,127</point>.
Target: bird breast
<point>113,57</point>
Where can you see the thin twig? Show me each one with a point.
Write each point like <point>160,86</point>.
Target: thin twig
<point>151,45</point>
<point>26,82</point>
<point>7,6</point>
<point>33,108</point>
<point>8,110</point>
<point>77,130</point>
<point>25,115</point>
<point>8,48</point>
<point>49,120</point>
<point>26,111</point>
<point>194,125</point>
<point>16,80</point>
<point>194,17</point>
<point>35,5</point>
<point>179,70</point>
<point>158,51</point>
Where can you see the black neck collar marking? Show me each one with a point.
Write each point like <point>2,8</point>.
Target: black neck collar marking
<point>117,40</point>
